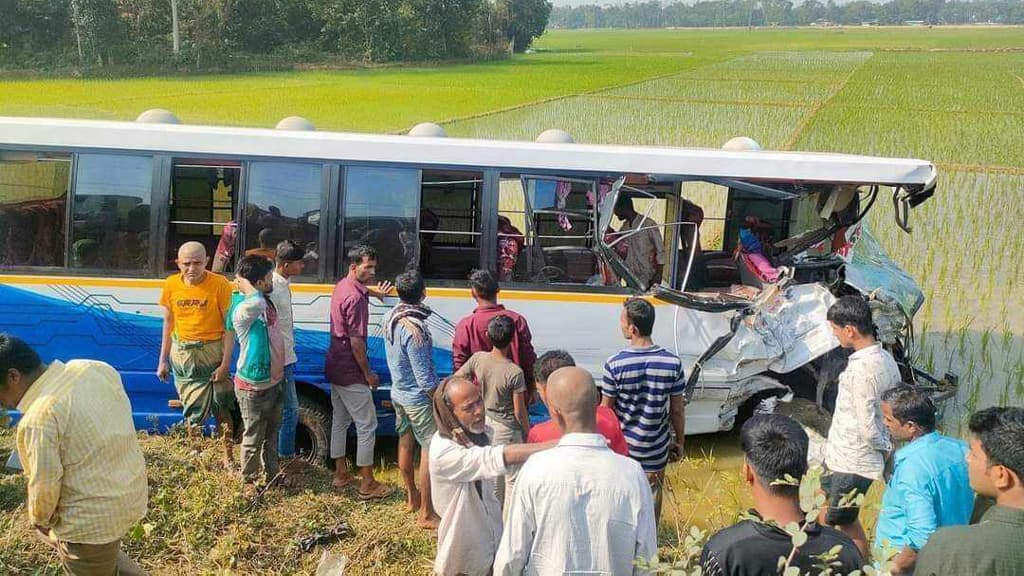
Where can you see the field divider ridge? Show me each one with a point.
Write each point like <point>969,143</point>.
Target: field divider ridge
<point>550,99</point>
<point>764,103</point>
<point>806,120</point>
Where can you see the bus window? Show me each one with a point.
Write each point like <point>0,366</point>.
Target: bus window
<point>33,200</point>
<point>283,203</point>
<point>449,224</point>
<point>545,230</point>
<point>381,208</point>
<point>203,199</point>
<point>110,221</point>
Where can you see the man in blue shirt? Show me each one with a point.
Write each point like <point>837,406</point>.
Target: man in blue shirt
<point>929,488</point>
<point>410,357</point>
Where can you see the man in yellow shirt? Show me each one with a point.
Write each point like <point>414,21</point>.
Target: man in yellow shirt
<point>85,472</point>
<point>196,346</point>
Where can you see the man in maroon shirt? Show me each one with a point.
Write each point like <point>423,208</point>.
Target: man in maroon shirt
<point>352,380</point>
<point>471,332</point>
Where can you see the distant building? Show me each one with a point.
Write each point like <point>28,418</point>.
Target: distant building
<point>914,22</point>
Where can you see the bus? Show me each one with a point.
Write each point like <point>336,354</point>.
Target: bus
<point>752,247</point>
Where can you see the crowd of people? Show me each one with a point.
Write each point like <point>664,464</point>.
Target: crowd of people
<point>578,494</point>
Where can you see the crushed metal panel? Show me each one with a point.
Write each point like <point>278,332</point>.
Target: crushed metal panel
<point>870,270</point>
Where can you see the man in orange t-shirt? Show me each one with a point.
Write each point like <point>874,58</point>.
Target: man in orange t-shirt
<point>607,422</point>
<point>196,347</point>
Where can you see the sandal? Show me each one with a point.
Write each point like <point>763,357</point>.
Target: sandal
<point>379,493</point>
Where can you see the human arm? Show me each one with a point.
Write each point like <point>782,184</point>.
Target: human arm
<point>527,356</point>
<point>466,370</point>
<point>677,416</point>
<point>457,463</point>
<point>163,371</point>
<point>421,356</point>
<point>363,361</point>
<point>522,411</point>
<point>607,387</point>
<point>866,407</point>
<point>921,523</point>
<point>460,345</point>
<point>224,297</point>
<point>39,451</point>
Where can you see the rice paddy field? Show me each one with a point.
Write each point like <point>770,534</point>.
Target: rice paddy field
<point>954,96</point>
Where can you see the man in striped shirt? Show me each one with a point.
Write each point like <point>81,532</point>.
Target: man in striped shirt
<point>644,385</point>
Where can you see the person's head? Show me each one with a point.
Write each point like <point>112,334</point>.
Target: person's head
<point>546,365</point>
<point>850,318</point>
<point>290,259</point>
<point>258,271</point>
<point>908,412</point>
<point>637,319</point>
<point>410,287</point>
<point>19,367</point>
<point>484,286</point>
<point>995,461</point>
<point>267,238</point>
<point>773,446</point>
<point>467,404</point>
<point>624,207</point>
<point>192,261</point>
<point>362,263</point>
<point>500,331</point>
<point>573,399</point>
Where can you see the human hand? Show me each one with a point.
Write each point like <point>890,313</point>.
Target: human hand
<point>382,290</point>
<point>163,371</point>
<point>221,373</point>
<point>676,451</point>
<point>372,380</point>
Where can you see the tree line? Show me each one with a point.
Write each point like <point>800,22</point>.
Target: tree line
<point>784,13</point>
<point>151,35</point>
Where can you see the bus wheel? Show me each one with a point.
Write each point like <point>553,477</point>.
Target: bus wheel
<point>313,437</point>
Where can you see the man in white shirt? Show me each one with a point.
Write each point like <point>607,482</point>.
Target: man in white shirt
<point>289,264</point>
<point>645,254</point>
<point>858,440</point>
<point>579,508</point>
<point>463,468</point>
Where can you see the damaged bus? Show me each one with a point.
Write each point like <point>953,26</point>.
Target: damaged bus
<point>92,214</point>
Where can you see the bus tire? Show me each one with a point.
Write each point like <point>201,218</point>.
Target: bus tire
<point>314,430</point>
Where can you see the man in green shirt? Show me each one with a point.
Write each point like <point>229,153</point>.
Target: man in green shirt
<point>996,467</point>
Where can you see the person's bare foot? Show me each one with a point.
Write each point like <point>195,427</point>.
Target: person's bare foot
<point>412,500</point>
<point>429,522</point>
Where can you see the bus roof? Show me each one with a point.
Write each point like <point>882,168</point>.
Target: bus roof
<point>673,163</point>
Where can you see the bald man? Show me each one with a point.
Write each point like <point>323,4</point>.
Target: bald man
<point>579,507</point>
<point>196,347</point>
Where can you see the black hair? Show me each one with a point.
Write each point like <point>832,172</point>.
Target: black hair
<point>484,283</point>
<point>360,252</point>
<point>254,268</point>
<point>853,311</point>
<point>17,354</point>
<point>911,404</point>
<point>500,331</point>
<point>410,287</point>
<point>1001,433</point>
<point>640,314</point>
<point>549,362</point>
<point>288,251</point>
<point>774,446</point>
<point>624,202</point>
<point>266,237</point>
